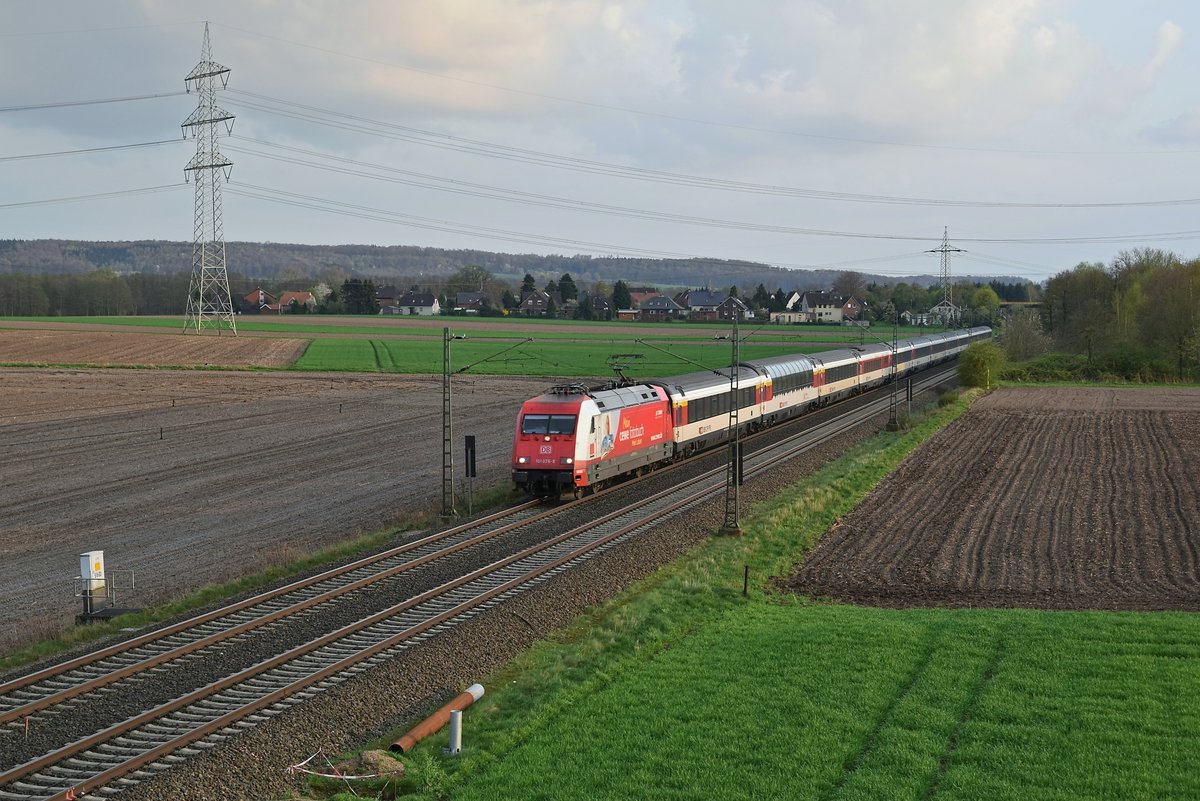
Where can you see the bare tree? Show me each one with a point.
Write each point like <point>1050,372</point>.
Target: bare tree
<point>1023,337</point>
<point>850,283</point>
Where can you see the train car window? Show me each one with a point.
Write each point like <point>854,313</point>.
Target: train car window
<point>548,424</point>
<point>535,424</point>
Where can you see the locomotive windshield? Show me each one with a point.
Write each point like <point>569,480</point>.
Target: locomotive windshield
<point>548,424</point>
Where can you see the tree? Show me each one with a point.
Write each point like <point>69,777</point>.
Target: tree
<point>1023,337</point>
<point>508,300</point>
<point>762,297</point>
<point>551,286</point>
<point>358,297</point>
<point>1079,310</point>
<point>471,278</point>
<point>1173,293</point>
<point>851,284</point>
<point>979,365</point>
<point>528,285</point>
<point>585,310</point>
<point>621,299</point>
<point>985,300</point>
<point>567,288</point>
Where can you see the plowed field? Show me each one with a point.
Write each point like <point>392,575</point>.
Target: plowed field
<point>1045,498</point>
<point>165,348</point>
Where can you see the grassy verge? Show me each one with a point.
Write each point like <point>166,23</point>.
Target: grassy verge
<point>682,688</point>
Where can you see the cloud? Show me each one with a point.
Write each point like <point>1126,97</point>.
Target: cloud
<point>1128,86</point>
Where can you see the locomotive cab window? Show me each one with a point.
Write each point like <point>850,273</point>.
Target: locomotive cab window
<point>548,424</point>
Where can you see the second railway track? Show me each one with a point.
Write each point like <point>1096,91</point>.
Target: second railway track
<point>134,741</point>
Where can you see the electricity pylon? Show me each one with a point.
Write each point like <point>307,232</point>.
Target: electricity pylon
<point>209,303</point>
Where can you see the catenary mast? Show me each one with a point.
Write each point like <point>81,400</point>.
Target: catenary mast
<point>209,303</point>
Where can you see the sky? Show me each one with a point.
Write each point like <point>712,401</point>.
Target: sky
<point>1036,134</point>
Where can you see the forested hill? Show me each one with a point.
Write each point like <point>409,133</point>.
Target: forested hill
<point>410,264</point>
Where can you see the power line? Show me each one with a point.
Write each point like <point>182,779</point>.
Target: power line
<point>98,196</point>
<point>348,122</point>
<point>81,150</point>
<point>74,103</point>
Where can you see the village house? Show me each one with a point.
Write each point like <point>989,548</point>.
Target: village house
<point>827,307</point>
<point>660,309</point>
<point>422,304</point>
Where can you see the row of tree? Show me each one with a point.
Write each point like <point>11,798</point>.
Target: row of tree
<point>1138,315</point>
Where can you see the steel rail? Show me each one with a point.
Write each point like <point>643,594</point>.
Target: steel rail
<point>57,673</point>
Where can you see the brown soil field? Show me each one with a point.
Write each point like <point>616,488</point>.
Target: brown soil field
<point>163,348</point>
<point>192,477</point>
<point>1042,498</point>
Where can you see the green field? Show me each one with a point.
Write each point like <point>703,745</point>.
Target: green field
<point>558,348</point>
<point>809,702</point>
<point>682,688</point>
<point>540,357</point>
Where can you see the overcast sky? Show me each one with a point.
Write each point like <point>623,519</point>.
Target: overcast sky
<point>802,134</point>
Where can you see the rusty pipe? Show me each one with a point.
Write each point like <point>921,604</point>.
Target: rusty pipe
<point>437,720</point>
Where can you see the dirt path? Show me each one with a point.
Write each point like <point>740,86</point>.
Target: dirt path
<point>1051,498</point>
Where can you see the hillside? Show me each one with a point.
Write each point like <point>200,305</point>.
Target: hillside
<point>274,261</point>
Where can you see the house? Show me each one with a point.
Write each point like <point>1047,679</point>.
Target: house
<point>423,304</point>
<point>915,318</point>
<point>627,315</point>
<point>601,306</point>
<point>733,307</point>
<point>640,294</point>
<point>538,303</point>
<point>305,299</point>
<point>660,308</point>
<point>702,304</point>
<point>789,304</point>
<point>387,295</point>
<point>469,302</point>
<point>260,301</point>
<point>788,317</point>
<point>826,307</point>
<point>944,313</point>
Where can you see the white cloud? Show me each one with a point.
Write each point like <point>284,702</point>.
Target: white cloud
<point>1129,85</point>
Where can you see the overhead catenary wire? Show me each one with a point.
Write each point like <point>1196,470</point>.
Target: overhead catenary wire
<point>338,119</point>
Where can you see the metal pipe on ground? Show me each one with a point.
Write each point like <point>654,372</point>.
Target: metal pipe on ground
<point>437,720</point>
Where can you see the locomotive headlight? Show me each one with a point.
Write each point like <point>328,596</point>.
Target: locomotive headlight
<point>566,460</point>
<point>522,459</point>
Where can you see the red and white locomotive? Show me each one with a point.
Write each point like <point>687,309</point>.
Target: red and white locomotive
<point>578,438</point>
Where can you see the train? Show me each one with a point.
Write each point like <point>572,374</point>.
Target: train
<point>580,439</point>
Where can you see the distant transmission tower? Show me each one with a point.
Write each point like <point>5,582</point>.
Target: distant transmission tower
<point>209,304</point>
<point>947,287</point>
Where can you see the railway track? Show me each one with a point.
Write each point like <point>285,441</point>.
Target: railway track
<point>136,742</point>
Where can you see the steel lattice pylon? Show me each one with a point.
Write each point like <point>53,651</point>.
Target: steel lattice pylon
<point>209,303</point>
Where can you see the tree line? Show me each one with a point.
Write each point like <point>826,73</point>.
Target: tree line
<point>1136,317</point>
